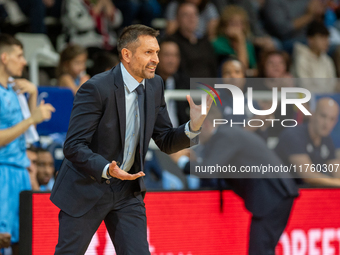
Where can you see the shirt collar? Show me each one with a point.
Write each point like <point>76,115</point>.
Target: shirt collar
<point>130,82</point>
<point>10,83</point>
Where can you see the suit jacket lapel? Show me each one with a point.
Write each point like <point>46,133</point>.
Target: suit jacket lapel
<point>120,100</point>
<point>150,112</point>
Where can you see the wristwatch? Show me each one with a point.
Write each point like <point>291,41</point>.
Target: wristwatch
<point>108,175</point>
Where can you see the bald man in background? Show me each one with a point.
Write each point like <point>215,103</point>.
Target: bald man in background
<point>312,144</point>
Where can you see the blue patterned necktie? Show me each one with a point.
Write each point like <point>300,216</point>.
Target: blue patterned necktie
<point>141,99</point>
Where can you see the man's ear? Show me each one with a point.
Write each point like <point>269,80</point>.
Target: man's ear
<point>4,57</point>
<point>126,55</point>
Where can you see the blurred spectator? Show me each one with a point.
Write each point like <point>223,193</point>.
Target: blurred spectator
<point>232,31</point>
<point>208,17</point>
<point>169,60</point>
<point>197,55</point>
<point>91,23</point>
<point>36,11</point>
<point>268,199</point>
<point>288,19</point>
<point>274,64</point>
<point>259,36</point>
<point>33,168</point>
<point>14,176</point>
<point>143,10</point>
<point>311,144</point>
<point>312,61</point>
<point>45,169</point>
<point>71,71</point>
<point>233,72</point>
<point>102,62</point>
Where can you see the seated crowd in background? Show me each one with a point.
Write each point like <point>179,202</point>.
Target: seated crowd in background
<point>229,39</point>
<point>278,40</point>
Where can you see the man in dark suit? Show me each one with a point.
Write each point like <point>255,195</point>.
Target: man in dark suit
<point>101,177</point>
<point>269,199</point>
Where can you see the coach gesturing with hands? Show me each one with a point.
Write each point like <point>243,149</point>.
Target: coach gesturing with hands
<point>115,114</point>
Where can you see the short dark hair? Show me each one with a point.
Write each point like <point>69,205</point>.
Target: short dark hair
<point>42,150</point>
<point>103,61</point>
<point>317,28</point>
<point>130,35</point>
<point>8,41</point>
<point>32,148</point>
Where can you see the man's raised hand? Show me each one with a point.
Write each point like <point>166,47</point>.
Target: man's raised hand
<point>195,112</point>
<point>118,173</point>
<point>42,112</point>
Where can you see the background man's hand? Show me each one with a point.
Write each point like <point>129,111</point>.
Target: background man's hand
<point>42,112</point>
<point>118,173</point>
<point>25,86</point>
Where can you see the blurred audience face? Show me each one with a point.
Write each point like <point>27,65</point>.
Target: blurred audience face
<point>77,65</point>
<point>14,61</point>
<point>45,167</point>
<point>143,58</point>
<point>234,25</point>
<point>275,66</point>
<point>233,73</point>
<point>33,157</point>
<point>187,17</point>
<point>325,117</point>
<point>319,43</point>
<point>169,58</point>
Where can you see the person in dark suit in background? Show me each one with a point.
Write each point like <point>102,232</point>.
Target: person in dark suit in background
<point>268,199</point>
<point>101,177</point>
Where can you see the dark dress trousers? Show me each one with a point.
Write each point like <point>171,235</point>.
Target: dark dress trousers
<point>95,137</point>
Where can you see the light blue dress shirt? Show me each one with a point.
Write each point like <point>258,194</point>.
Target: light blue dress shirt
<point>132,121</point>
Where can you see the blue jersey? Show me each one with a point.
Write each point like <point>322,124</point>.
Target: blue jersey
<point>13,153</point>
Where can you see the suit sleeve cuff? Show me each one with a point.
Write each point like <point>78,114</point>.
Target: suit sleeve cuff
<point>191,134</point>
<point>104,175</point>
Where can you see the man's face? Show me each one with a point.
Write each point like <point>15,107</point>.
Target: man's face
<point>232,73</point>
<point>169,58</point>
<point>275,66</point>
<point>14,61</point>
<point>187,17</point>
<point>325,118</point>
<point>45,167</point>
<point>144,58</point>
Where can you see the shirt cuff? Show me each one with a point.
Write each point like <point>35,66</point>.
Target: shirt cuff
<point>104,175</point>
<point>191,134</point>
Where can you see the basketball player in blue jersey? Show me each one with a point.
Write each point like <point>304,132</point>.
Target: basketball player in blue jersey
<point>14,177</point>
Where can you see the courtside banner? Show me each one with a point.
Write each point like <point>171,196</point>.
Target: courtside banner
<point>196,223</point>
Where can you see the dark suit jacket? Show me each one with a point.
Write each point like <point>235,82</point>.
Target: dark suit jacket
<point>238,147</point>
<point>96,136</point>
